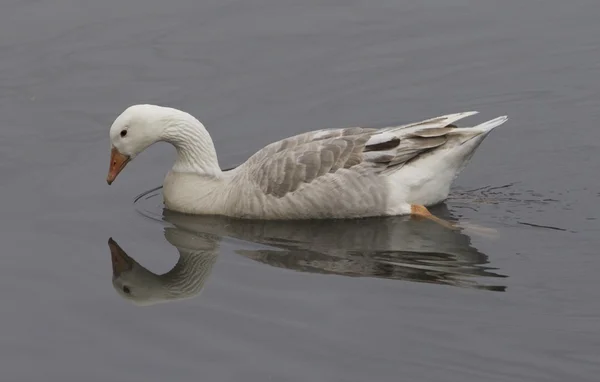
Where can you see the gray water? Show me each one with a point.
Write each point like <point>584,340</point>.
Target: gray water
<point>381,299</point>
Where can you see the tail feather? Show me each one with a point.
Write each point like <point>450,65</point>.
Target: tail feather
<point>441,121</point>
<point>482,128</point>
<point>489,125</point>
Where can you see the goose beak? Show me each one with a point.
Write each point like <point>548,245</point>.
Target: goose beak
<point>121,262</point>
<point>118,162</point>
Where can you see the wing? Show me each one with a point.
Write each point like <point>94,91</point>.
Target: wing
<point>282,167</point>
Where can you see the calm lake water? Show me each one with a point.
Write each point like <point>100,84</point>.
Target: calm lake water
<point>380,299</point>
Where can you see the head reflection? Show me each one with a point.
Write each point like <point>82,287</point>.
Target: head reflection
<point>197,255</point>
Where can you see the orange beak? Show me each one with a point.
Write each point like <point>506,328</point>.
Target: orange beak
<point>118,162</point>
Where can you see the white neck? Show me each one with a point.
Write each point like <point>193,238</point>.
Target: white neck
<point>195,149</point>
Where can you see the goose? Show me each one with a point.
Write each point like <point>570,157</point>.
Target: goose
<point>332,173</point>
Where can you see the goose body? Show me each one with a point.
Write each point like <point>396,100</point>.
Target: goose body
<point>329,173</point>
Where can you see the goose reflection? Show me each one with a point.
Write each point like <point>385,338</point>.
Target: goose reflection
<point>391,248</point>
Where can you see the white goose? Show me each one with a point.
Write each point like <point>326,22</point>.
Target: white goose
<point>330,173</point>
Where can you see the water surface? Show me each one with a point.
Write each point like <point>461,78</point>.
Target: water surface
<point>388,300</point>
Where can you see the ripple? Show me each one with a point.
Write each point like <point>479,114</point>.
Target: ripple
<point>149,204</point>
<point>507,201</point>
<point>506,194</point>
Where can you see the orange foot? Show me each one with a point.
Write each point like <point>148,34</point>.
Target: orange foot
<point>419,211</point>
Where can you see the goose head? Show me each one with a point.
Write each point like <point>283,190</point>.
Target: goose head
<point>137,128</point>
<point>140,126</point>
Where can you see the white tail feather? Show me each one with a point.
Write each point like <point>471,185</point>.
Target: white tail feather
<point>441,121</point>
<point>489,125</point>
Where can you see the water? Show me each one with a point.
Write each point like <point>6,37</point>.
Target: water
<point>388,300</point>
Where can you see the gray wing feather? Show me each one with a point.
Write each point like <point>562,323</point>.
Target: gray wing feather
<point>287,169</point>
<point>413,147</point>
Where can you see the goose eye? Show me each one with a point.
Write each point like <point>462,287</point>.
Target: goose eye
<point>123,133</point>
<point>126,289</point>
